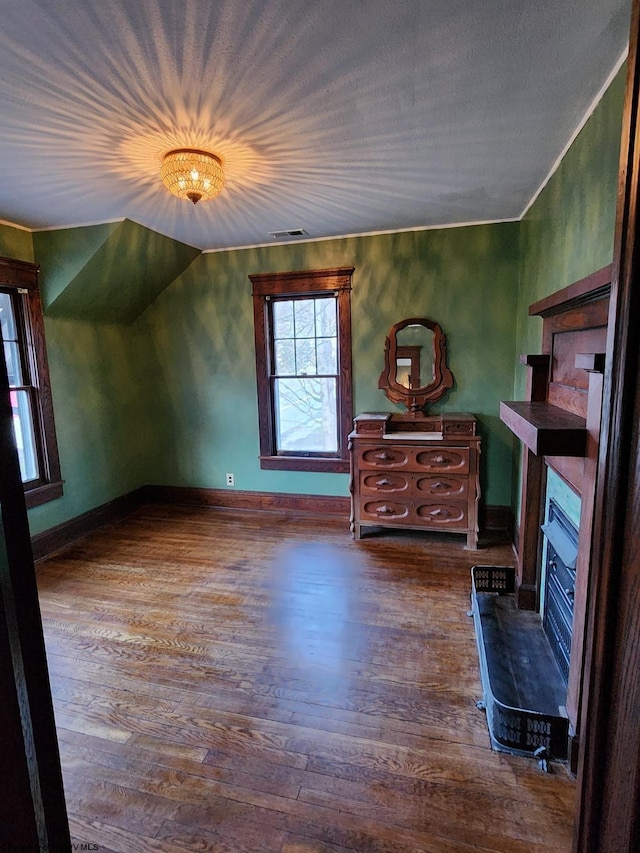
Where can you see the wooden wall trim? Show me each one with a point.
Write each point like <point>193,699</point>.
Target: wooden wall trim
<point>55,538</point>
<point>31,760</point>
<point>593,286</point>
<point>236,499</point>
<point>315,282</point>
<point>17,807</point>
<point>608,815</point>
<point>491,517</point>
<point>496,518</point>
<point>268,283</point>
<point>49,541</point>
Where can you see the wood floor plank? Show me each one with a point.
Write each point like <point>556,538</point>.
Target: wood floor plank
<point>113,839</point>
<point>155,761</point>
<point>235,681</point>
<point>241,839</point>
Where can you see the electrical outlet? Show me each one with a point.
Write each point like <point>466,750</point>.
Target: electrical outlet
<point>231,481</point>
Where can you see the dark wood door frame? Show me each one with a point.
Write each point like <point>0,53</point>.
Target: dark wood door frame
<point>608,818</point>
<point>32,806</point>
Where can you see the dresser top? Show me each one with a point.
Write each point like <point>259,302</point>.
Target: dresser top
<point>413,426</point>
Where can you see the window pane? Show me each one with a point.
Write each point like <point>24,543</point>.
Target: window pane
<point>12,360</point>
<point>282,318</point>
<point>32,413</point>
<point>326,317</point>
<point>306,415</point>
<point>305,357</point>
<point>285,358</point>
<point>327,355</point>
<point>24,434</point>
<point>305,318</point>
<point>7,320</point>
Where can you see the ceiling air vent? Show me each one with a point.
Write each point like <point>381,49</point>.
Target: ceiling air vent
<point>292,232</point>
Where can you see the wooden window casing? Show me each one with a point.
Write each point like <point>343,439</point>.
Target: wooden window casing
<point>20,280</point>
<point>295,285</point>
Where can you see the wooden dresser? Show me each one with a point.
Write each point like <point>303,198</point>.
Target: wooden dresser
<point>414,471</point>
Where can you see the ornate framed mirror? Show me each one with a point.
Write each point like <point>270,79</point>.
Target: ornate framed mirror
<point>415,364</point>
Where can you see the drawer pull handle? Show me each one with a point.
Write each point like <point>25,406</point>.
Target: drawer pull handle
<point>439,486</point>
<point>383,482</point>
<point>438,513</point>
<point>385,510</point>
<point>440,459</point>
<point>383,455</point>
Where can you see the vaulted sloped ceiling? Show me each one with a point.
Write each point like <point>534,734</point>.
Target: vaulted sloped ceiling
<point>107,273</point>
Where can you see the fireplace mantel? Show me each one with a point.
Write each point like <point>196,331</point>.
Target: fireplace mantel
<point>559,426</point>
<point>545,429</point>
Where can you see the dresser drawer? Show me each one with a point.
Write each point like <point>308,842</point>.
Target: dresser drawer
<point>461,427</point>
<point>441,486</point>
<point>450,459</point>
<point>410,485</point>
<point>443,514</point>
<point>398,456</point>
<point>384,457</point>
<point>378,509</point>
<point>384,483</point>
<point>427,514</point>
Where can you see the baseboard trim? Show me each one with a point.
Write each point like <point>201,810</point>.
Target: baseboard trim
<point>492,517</point>
<point>232,499</point>
<point>55,538</point>
<point>496,518</point>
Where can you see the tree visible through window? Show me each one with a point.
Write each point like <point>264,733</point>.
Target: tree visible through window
<point>25,359</point>
<point>303,356</point>
<point>305,374</point>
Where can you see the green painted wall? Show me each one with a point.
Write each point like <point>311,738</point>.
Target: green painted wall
<point>114,273</point>
<point>16,243</point>
<point>568,232</point>
<point>202,333</point>
<point>102,373</point>
<point>170,398</point>
<point>106,436</point>
<point>63,254</point>
<point>103,401</point>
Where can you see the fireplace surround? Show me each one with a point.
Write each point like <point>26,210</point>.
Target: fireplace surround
<point>559,583</point>
<point>559,428</point>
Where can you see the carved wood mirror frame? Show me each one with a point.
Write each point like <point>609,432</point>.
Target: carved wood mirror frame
<point>415,398</point>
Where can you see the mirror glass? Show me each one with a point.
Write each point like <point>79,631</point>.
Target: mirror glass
<point>415,363</point>
<point>414,356</point>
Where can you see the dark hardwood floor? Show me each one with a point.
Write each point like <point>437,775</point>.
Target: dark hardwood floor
<point>229,682</point>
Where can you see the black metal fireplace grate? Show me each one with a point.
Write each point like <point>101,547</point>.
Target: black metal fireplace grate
<point>560,581</point>
<point>524,690</point>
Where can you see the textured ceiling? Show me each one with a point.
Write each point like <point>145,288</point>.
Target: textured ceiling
<point>336,116</point>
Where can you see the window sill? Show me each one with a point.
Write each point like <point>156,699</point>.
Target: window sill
<point>42,494</point>
<point>304,463</point>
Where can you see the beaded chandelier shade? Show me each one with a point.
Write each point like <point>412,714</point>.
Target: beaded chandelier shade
<point>192,174</point>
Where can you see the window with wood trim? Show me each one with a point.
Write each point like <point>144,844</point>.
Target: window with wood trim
<point>25,358</point>
<point>303,362</point>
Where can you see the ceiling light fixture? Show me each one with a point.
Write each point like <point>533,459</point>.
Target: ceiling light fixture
<point>193,174</point>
